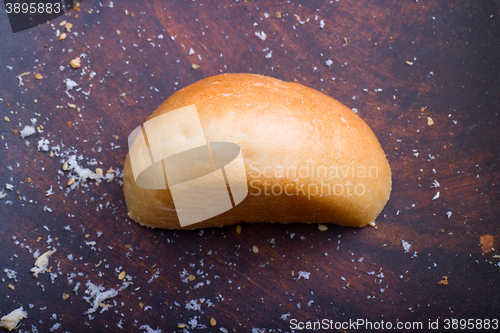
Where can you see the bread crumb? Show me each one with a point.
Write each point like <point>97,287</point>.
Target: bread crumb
<point>430,122</point>
<point>213,322</point>
<point>62,36</point>
<point>148,329</point>
<point>11,321</point>
<point>11,286</point>
<point>410,63</point>
<point>68,26</point>
<point>41,263</point>
<point>195,66</point>
<point>97,296</point>
<point>406,245</point>
<point>261,35</point>
<point>65,296</point>
<point>444,281</point>
<point>486,243</point>
<point>322,227</point>
<point>121,276</point>
<point>278,14</point>
<point>27,131</point>
<point>255,249</point>
<point>38,76</point>
<point>75,63</point>
<point>436,196</point>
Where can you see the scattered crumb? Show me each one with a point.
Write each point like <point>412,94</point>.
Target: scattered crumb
<point>213,322</point>
<point>406,245</point>
<point>430,122</point>
<point>41,263</point>
<point>409,62</point>
<point>20,78</point>
<point>11,320</point>
<point>444,281</point>
<point>255,249</point>
<point>121,276</point>
<point>487,243</point>
<point>38,76</point>
<point>322,227</point>
<point>304,275</point>
<point>261,35</point>
<point>27,131</point>
<point>195,66</point>
<point>148,329</point>
<point>62,36</point>
<point>75,63</point>
<point>97,296</point>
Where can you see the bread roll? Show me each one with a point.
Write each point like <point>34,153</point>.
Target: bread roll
<point>307,157</point>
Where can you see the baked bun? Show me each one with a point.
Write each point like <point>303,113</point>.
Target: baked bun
<point>293,154</point>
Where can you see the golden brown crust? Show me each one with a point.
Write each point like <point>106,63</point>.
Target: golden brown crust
<point>279,127</point>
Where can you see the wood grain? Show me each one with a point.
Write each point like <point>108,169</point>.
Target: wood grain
<point>396,63</point>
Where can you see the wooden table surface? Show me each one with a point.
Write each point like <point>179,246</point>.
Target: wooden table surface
<point>398,64</point>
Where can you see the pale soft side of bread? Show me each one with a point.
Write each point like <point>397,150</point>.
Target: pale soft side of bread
<point>279,127</point>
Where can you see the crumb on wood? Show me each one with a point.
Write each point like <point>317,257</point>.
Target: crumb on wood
<point>444,281</point>
<point>75,63</point>
<point>11,320</point>
<point>486,243</point>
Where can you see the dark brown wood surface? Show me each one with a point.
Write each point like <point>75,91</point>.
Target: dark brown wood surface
<point>396,62</point>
